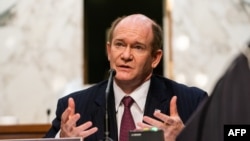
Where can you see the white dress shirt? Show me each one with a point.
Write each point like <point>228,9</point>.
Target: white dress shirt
<point>137,109</point>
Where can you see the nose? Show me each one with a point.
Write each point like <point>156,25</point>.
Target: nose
<point>127,54</point>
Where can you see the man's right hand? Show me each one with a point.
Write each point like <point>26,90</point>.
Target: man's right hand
<point>68,123</point>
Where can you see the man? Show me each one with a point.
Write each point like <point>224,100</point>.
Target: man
<point>134,49</point>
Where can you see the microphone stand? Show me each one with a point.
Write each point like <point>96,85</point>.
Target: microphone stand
<point>107,91</point>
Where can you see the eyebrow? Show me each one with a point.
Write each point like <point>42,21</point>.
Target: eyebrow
<point>136,42</point>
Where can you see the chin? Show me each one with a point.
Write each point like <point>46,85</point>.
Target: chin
<point>123,77</point>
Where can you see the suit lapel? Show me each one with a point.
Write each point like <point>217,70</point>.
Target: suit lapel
<point>158,97</point>
<point>101,113</point>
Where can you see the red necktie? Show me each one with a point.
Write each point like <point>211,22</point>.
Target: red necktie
<point>127,122</point>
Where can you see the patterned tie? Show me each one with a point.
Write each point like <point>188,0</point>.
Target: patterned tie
<point>127,122</point>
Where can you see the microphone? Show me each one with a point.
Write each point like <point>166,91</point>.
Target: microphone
<point>112,73</point>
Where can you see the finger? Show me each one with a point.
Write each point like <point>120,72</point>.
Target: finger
<point>67,128</point>
<point>85,126</point>
<point>65,115</point>
<point>72,120</point>
<point>89,132</point>
<point>173,106</point>
<point>85,129</point>
<point>71,105</point>
<point>164,118</point>
<point>69,111</point>
<point>142,125</point>
<point>152,122</point>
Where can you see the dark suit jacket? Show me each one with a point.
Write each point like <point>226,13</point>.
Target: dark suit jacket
<point>90,103</point>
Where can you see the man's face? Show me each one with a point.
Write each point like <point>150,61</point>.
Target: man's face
<point>130,50</point>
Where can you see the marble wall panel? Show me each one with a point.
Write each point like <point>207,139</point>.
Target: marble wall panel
<point>41,49</point>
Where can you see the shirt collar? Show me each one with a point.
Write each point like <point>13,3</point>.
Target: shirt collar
<point>139,95</point>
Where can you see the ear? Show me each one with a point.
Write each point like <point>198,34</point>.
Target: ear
<point>156,58</point>
<point>108,48</point>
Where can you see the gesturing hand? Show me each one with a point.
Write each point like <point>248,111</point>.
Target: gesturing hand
<point>171,125</point>
<point>68,123</point>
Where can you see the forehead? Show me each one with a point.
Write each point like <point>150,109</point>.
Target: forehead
<point>135,26</point>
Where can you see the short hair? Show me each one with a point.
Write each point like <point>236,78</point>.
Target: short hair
<point>157,41</point>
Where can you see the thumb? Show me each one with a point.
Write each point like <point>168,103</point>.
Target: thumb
<point>173,106</point>
<point>71,105</point>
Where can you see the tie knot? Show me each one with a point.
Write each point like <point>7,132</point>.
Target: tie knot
<point>127,101</point>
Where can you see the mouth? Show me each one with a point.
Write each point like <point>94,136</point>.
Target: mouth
<point>124,67</point>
